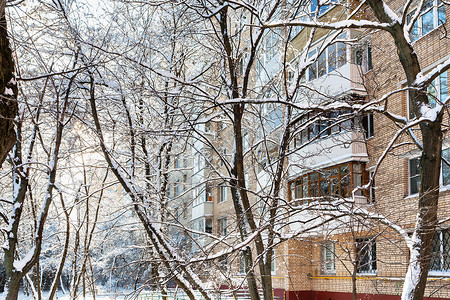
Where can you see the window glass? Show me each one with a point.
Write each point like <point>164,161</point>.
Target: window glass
<point>341,54</point>
<point>366,253</point>
<point>427,22</point>
<point>208,225</point>
<point>331,57</point>
<point>322,64</point>
<point>328,258</point>
<point>443,87</point>
<point>440,256</point>
<point>414,175</point>
<point>313,67</point>
<point>446,167</point>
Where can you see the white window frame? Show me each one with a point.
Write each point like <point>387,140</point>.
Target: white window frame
<point>435,7</point>
<point>328,249</point>
<point>368,244</point>
<point>273,263</point>
<point>443,250</point>
<point>446,155</point>
<point>325,52</point>
<point>436,84</point>
<point>223,190</point>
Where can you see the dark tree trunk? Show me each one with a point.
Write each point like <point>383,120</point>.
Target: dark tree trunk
<point>8,90</point>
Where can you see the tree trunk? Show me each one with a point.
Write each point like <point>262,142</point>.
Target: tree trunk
<point>12,286</point>
<point>8,89</point>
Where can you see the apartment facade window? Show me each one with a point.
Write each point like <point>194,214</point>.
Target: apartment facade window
<point>339,180</point>
<point>431,17</point>
<point>223,262</point>
<point>223,193</point>
<point>324,125</point>
<point>273,263</point>
<point>437,93</point>
<point>176,188</point>
<point>414,175</point>
<point>366,255</point>
<point>328,258</point>
<point>414,172</point>
<point>440,256</point>
<point>203,225</point>
<point>367,124</point>
<point>241,264</point>
<point>362,56</point>
<point>331,58</point>
<point>222,226</point>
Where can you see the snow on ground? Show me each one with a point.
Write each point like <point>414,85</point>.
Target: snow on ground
<point>120,295</point>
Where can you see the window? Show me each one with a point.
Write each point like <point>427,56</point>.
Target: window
<point>367,125</point>
<point>431,17</point>
<point>176,188</point>
<point>322,8</point>
<point>184,182</point>
<point>366,255</point>
<point>208,225</point>
<point>273,115</point>
<point>414,175</point>
<point>241,264</point>
<point>223,193</point>
<point>203,225</point>
<point>440,256</point>
<point>273,265</point>
<point>245,142</point>
<point>372,188</point>
<point>362,56</point>
<point>222,226</point>
<point>326,124</point>
<point>335,181</point>
<point>332,58</point>
<point>437,92</point>
<point>208,126</point>
<point>176,163</point>
<point>223,263</point>
<point>328,259</point>
<point>414,172</point>
<point>177,214</point>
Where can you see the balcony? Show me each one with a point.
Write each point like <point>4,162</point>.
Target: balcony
<point>335,149</point>
<point>348,79</point>
<point>202,209</point>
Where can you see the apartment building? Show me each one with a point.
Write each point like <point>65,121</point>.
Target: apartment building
<point>367,258</point>
<point>331,154</point>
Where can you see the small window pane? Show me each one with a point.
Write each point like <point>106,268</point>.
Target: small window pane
<point>427,22</point>
<point>331,58</point>
<point>341,54</point>
<point>324,188</point>
<point>414,175</point>
<point>322,64</point>
<point>443,83</point>
<point>441,15</point>
<point>445,167</point>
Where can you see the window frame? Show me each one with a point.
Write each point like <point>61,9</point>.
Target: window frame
<point>367,245</point>
<point>444,252</point>
<point>438,86</point>
<point>417,29</point>
<point>306,182</point>
<point>223,224</point>
<point>443,181</point>
<point>324,261</point>
<point>340,52</point>
<point>223,191</point>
